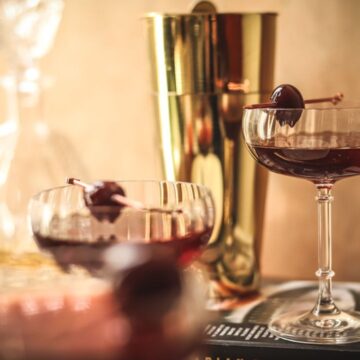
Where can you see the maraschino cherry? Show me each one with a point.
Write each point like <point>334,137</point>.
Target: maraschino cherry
<point>287,96</point>
<point>105,199</point>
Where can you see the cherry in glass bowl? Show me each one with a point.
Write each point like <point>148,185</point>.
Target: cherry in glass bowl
<point>175,216</point>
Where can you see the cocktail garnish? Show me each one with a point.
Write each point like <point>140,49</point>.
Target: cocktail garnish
<point>287,96</point>
<point>106,194</point>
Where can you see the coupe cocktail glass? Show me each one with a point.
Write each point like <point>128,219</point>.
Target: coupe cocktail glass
<point>158,307</point>
<point>321,145</point>
<point>176,216</point>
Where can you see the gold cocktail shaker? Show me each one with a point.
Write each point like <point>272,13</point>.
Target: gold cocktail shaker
<point>205,68</point>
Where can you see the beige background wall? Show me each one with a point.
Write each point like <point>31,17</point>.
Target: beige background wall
<point>101,101</point>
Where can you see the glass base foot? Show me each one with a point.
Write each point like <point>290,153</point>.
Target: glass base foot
<point>341,328</point>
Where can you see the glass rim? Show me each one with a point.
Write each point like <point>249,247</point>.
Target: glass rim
<point>308,109</point>
<point>134,181</point>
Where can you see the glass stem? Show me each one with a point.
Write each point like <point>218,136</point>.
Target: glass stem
<point>325,304</point>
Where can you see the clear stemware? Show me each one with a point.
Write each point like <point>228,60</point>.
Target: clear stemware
<point>177,216</point>
<point>143,306</point>
<point>321,145</point>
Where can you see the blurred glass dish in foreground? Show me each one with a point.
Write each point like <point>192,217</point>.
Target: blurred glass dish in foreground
<point>150,309</point>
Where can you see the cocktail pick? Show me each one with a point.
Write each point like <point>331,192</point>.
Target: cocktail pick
<point>115,197</point>
<point>288,96</point>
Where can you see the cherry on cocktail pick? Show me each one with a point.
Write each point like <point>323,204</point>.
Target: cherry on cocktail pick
<point>105,199</point>
<point>287,96</point>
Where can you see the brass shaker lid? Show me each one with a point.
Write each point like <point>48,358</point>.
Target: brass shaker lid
<point>212,53</point>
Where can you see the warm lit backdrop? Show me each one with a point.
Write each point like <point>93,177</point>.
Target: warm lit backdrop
<point>101,101</point>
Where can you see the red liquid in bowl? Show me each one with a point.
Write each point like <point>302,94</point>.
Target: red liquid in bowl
<point>89,255</point>
<point>316,164</point>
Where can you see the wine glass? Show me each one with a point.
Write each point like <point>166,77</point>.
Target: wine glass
<point>154,307</point>
<point>321,145</point>
<point>175,216</point>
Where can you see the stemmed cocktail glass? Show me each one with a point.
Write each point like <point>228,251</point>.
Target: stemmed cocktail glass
<point>141,247</point>
<point>175,216</point>
<point>321,145</point>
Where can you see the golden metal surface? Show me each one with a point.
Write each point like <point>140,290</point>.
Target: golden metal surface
<point>205,68</point>
<point>207,53</point>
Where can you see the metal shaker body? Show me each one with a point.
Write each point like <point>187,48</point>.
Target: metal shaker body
<point>205,68</point>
